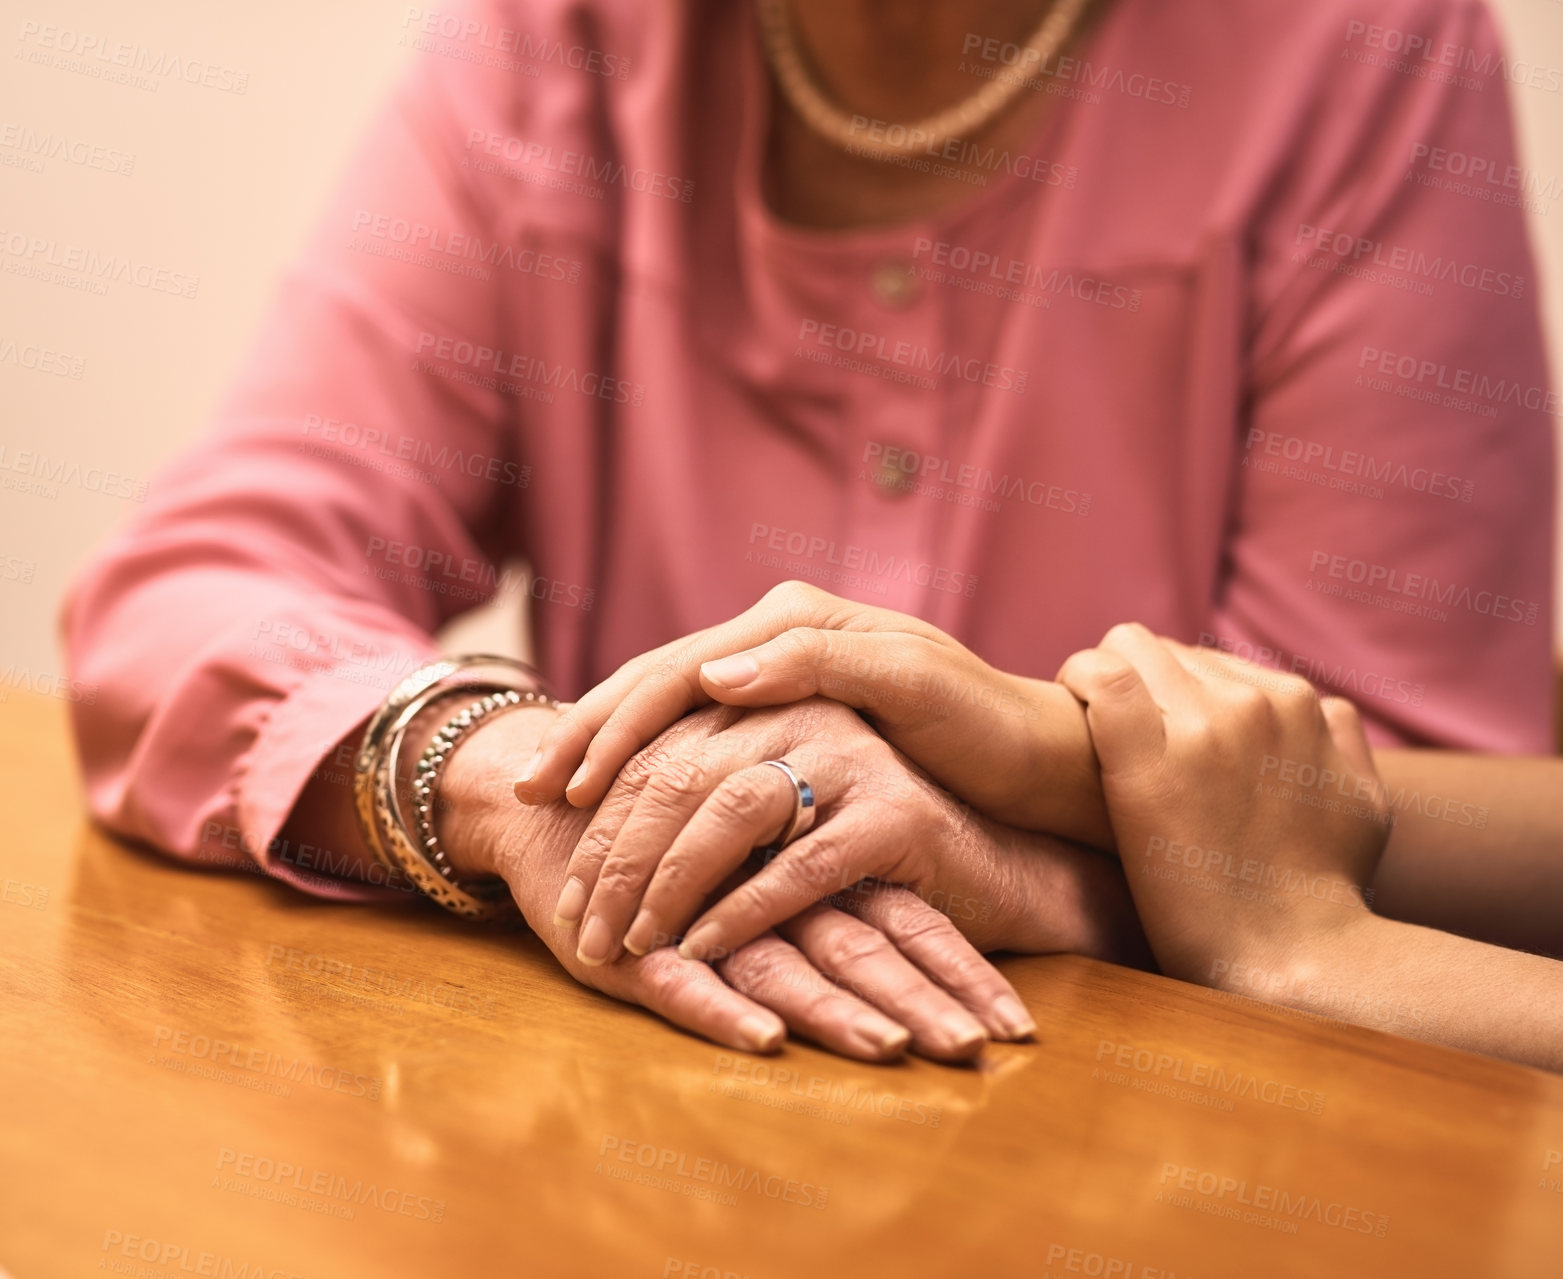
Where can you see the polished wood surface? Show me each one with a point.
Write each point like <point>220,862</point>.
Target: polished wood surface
<point>208,1074</point>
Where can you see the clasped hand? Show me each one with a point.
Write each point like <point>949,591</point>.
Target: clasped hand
<point>1142,745</point>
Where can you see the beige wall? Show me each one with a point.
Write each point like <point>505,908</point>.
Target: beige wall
<point>222,186</point>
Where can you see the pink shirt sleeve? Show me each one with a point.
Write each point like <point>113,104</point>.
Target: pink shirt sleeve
<point>1398,454</point>
<point>253,616</point>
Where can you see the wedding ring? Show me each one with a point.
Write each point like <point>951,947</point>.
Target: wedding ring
<point>802,806</point>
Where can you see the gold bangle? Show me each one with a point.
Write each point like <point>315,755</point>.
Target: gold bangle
<point>380,819</point>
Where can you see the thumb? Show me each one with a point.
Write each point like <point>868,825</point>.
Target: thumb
<point>1125,720</point>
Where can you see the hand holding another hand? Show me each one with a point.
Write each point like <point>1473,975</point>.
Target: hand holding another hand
<point>1249,817</point>
<point>885,973</point>
<point>679,826</point>
<point>1016,749</point>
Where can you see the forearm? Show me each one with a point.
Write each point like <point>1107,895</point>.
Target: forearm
<point>1440,988</point>
<point>1477,847</point>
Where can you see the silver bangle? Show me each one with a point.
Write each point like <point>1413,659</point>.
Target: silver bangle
<point>386,832</point>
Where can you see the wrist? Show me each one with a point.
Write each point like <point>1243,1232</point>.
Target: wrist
<point>478,819</point>
<point>1290,957</point>
<point>1038,895</point>
<point>1063,796</point>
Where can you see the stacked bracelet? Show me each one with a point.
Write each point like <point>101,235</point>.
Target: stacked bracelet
<point>438,751</point>
<point>376,768</point>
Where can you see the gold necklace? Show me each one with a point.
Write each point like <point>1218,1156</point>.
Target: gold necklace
<point>895,140</point>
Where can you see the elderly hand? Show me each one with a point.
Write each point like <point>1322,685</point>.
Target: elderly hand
<point>866,980</point>
<point>1015,748</point>
<point>687,812</point>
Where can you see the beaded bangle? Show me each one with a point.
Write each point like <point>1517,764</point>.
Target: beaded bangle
<point>439,749</point>
<point>376,767</point>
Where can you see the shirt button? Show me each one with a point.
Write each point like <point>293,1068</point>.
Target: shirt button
<point>895,284</point>
<point>890,479</point>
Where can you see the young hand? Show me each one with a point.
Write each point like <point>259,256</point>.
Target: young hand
<point>1248,814</point>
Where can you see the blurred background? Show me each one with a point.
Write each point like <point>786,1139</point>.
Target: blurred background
<point>208,187</point>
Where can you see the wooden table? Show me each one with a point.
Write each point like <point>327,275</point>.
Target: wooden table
<point>210,1075</point>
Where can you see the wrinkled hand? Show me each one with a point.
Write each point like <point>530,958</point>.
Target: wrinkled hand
<point>1247,809</point>
<point>827,979</point>
<point>1017,749</point>
<point>687,813</point>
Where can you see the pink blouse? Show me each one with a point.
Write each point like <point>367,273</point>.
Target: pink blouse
<point>1244,345</point>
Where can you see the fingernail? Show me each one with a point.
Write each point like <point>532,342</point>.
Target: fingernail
<point>572,902</point>
<point>761,1034</point>
<point>731,672</point>
<point>530,771</point>
<point>579,777</point>
<point>696,944</point>
<point>596,942</point>
<point>883,1035</point>
<point>964,1030</point>
<point>642,935</point>
<point>1012,1015</point>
